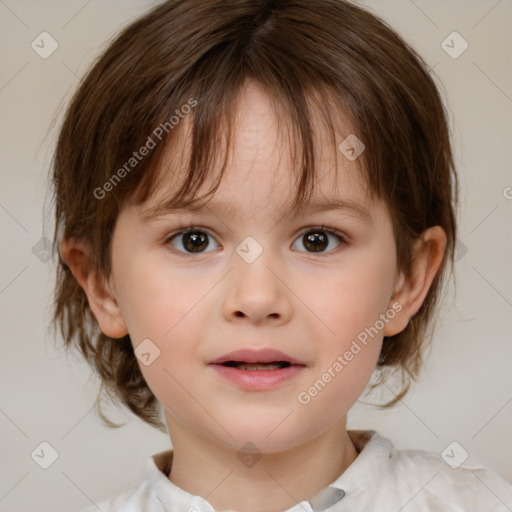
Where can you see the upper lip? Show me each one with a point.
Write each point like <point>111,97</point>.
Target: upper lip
<point>265,355</point>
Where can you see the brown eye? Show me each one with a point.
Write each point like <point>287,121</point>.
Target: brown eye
<point>192,240</point>
<point>317,239</point>
<point>195,241</point>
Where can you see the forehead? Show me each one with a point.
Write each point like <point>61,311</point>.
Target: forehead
<point>261,161</point>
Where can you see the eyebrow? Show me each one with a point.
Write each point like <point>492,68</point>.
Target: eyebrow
<point>315,206</point>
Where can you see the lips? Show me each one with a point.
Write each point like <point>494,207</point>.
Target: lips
<point>257,370</point>
<point>262,359</point>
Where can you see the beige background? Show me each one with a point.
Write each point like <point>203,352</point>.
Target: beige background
<point>465,393</point>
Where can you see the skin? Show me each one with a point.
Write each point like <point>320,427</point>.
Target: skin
<point>199,306</point>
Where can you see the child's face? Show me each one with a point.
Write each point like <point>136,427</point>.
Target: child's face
<point>198,307</point>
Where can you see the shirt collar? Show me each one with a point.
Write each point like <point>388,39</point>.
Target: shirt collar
<point>374,450</point>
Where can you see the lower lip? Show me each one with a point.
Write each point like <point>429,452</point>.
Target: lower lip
<point>257,380</point>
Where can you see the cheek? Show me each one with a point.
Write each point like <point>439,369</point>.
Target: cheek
<point>156,301</point>
<point>350,308</point>
<point>327,401</point>
<point>169,311</point>
<point>342,376</point>
<point>351,301</point>
<point>171,375</point>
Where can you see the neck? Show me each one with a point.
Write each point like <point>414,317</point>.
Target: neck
<point>274,482</point>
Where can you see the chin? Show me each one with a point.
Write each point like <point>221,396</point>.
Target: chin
<point>268,433</point>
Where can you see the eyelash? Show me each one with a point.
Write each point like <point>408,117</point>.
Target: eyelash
<point>341,239</point>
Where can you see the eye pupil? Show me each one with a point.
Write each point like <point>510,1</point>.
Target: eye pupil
<point>315,241</point>
<point>195,241</point>
<point>318,241</point>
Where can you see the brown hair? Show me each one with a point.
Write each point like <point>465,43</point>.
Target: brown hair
<point>330,50</point>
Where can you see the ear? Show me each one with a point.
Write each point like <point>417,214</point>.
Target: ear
<point>76,255</point>
<point>410,292</point>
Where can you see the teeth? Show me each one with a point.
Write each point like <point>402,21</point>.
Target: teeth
<point>257,366</point>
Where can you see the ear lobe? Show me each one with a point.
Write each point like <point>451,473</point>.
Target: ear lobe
<point>76,254</point>
<point>410,292</point>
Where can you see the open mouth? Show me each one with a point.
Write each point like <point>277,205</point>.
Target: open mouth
<point>241,365</point>
<point>259,370</point>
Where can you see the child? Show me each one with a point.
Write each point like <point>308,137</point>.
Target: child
<point>255,210</point>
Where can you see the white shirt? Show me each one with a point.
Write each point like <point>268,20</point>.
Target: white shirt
<point>381,479</point>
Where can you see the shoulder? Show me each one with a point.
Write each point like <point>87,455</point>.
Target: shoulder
<point>144,497</point>
<point>447,482</point>
<point>133,500</point>
<point>424,480</point>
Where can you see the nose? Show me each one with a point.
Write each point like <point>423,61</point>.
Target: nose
<point>257,292</point>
